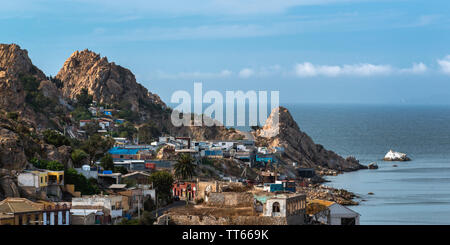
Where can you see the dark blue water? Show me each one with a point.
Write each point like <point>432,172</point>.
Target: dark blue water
<point>415,192</point>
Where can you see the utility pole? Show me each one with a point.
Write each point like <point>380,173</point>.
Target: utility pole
<point>139,207</point>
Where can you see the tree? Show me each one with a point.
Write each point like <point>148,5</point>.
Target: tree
<point>317,210</point>
<point>120,169</point>
<point>162,182</point>
<point>79,157</point>
<point>55,166</point>
<point>81,113</point>
<point>147,133</point>
<point>185,167</point>
<point>84,99</point>
<point>83,185</point>
<point>96,146</point>
<point>45,164</point>
<point>107,162</point>
<point>127,130</point>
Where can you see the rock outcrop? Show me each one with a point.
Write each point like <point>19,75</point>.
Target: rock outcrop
<point>107,82</point>
<point>298,146</point>
<point>18,93</point>
<point>396,156</point>
<point>12,152</point>
<point>373,165</point>
<point>8,187</point>
<point>14,62</point>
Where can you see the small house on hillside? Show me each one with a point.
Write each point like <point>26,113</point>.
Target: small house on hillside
<point>335,214</point>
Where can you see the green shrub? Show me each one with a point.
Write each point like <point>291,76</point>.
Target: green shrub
<point>55,138</point>
<point>12,115</point>
<point>83,185</point>
<point>45,164</point>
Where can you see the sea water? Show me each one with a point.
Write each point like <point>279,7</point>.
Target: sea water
<point>415,192</point>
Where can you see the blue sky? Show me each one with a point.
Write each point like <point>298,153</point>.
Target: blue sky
<point>312,51</point>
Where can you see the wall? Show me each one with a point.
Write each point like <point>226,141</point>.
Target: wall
<point>230,199</point>
<point>28,179</point>
<point>210,220</point>
<point>80,219</point>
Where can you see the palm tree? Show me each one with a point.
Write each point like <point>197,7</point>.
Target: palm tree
<point>184,169</point>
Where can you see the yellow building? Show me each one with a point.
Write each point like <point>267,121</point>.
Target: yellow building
<point>55,177</point>
<point>43,178</point>
<point>20,211</point>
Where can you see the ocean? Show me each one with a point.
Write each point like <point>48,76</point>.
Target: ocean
<point>415,192</point>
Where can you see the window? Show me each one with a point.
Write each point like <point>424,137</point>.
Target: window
<point>42,180</point>
<point>275,207</point>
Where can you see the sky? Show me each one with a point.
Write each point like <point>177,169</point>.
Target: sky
<point>311,51</point>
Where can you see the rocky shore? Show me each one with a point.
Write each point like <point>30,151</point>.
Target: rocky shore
<point>340,196</point>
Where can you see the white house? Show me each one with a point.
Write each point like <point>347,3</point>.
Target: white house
<point>336,214</point>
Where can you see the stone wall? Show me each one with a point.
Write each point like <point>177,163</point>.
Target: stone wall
<point>230,199</point>
<point>178,219</point>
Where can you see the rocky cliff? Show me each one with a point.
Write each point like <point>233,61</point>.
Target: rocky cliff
<point>29,103</point>
<point>299,147</point>
<point>117,86</point>
<point>107,82</point>
<point>24,89</point>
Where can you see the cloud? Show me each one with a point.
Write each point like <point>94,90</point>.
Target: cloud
<point>308,69</point>
<point>417,68</point>
<point>246,73</point>
<point>444,64</point>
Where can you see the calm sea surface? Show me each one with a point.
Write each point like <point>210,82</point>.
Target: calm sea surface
<point>415,192</point>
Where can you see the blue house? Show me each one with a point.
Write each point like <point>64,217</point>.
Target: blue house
<point>108,112</point>
<point>276,187</point>
<point>213,153</point>
<point>119,121</point>
<point>265,158</point>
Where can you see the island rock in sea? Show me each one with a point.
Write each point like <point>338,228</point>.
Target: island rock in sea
<point>395,156</point>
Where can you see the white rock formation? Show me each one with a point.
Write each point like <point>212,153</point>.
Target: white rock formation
<point>395,156</point>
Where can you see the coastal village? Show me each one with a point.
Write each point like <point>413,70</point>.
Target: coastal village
<point>226,182</point>
<point>91,146</point>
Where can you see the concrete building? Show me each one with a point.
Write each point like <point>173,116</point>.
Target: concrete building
<point>108,209</point>
<point>36,179</point>
<point>55,213</point>
<point>335,214</point>
<point>20,211</point>
<point>185,190</point>
<point>88,172</point>
<point>292,207</point>
<point>137,177</point>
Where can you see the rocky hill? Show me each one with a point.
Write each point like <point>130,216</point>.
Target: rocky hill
<point>29,103</point>
<point>24,89</point>
<point>107,82</point>
<point>299,147</point>
<point>116,86</point>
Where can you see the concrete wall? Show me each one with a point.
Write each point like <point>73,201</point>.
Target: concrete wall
<point>87,174</point>
<point>28,180</point>
<point>80,219</point>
